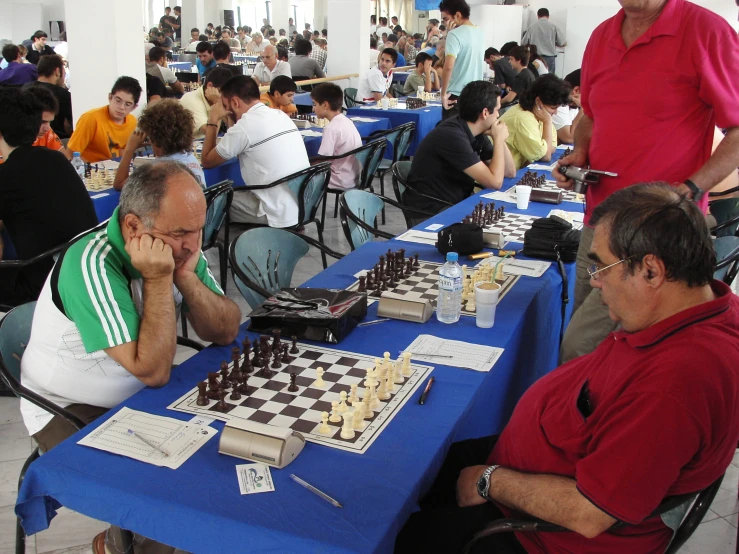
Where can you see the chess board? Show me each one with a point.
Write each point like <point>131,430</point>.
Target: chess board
<point>567,195</point>
<point>512,226</point>
<point>424,285</point>
<point>98,184</point>
<point>269,401</point>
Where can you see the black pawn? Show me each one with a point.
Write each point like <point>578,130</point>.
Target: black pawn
<point>293,387</point>
<point>294,349</point>
<point>225,382</point>
<point>221,406</point>
<point>276,364</point>
<point>286,358</point>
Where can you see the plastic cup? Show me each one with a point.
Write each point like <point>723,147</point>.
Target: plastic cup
<point>385,102</point>
<point>523,193</point>
<point>486,299</point>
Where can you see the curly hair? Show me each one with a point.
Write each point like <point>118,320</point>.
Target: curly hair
<point>169,126</point>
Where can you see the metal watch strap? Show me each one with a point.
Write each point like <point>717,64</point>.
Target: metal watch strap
<point>694,189</point>
<point>486,476</point>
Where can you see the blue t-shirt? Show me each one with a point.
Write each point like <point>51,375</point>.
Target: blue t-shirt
<point>467,44</point>
<point>401,60</point>
<point>203,68</point>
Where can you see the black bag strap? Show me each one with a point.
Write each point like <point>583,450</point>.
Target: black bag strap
<point>565,292</point>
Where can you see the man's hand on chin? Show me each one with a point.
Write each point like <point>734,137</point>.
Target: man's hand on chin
<point>467,494</point>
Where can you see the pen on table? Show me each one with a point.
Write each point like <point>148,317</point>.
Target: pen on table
<point>314,490</point>
<point>372,322</point>
<point>425,393</point>
<point>146,442</point>
<point>421,354</point>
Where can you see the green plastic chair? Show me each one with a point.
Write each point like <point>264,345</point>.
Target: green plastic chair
<point>727,259</point>
<point>726,212</point>
<point>218,199</point>
<point>350,98</point>
<point>368,156</point>
<point>358,213</point>
<point>401,172</point>
<point>263,260</point>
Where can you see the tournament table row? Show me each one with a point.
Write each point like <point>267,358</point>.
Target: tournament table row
<point>105,202</point>
<point>198,507</point>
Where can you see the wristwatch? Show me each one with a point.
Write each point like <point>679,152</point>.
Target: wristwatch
<point>694,190</point>
<point>483,483</point>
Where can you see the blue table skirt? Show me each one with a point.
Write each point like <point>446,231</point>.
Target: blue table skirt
<point>425,119</point>
<point>400,76</point>
<point>198,507</point>
<point>303,99</point>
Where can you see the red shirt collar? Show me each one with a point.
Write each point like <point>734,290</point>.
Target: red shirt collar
<point>667,327</point>
<point>668,23</point>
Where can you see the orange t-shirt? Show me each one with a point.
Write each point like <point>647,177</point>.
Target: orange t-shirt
<point>97,137</point>
<point>49,140</point>
<point>292,108</point>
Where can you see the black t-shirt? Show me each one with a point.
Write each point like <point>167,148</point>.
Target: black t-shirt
<point>439,164</point>
<point>154,87</point>
<point>522,81</point>
<point>65,107</point>
<point>164,22</point>
<point>235,70</point>
<point>33,55</point>
<point>504,73</point>
<point>178,30</point>
<point>43,204</point>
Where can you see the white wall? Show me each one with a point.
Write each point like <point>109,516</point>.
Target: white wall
<point>500,24</point>
<point>27,18</point>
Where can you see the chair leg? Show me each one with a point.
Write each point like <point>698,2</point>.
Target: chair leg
<point>224,269</point>
<point>382,192</point>
<point>184,324</point>
<point>323,209</point>
<point>319,228</point>
<point>336,207</point>
<point>20,534</point>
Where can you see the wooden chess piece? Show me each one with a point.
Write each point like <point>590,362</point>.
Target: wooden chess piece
<point>202,394</point>
<point>294,349</point>
<point>244,386</point>
<point>286,358</point>
<point>225,383</point>
<point>362,284</point>
<point>276,364</point>
<point>235,395</point>
<point>293,386</point>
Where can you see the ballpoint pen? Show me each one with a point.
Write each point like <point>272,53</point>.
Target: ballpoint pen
<point>147,442</point>
<point>421,354</point>
<point>426,391</point>
<point>314,490</point>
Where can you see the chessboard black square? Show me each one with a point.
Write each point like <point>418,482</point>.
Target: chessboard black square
<point>356,372</point>
<point>321,406</point>
<point>229,407</point>
<point>331,377</point>
<point>293,411</point>
<point>283,397</point>
<point>313,393</point>
<point>303,381</point>
<point>339,387</point>
<point>274,385</point>
<point>262,417</point>
<point>302,426</point>
<point>348,362</point>
<point>255,403</point>
<point>316,365</point>
<point>310,355</point>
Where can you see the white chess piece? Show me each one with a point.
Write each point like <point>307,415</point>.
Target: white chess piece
<point>385,365</point>
<point>375,403</point>
<point>499,273</point>
<point>342,405</point>
<point>399,379</point>
<point>366,409</point>
<point>391,388</point>
<point>347,430</point>
<point>335,417</point>
<point>378,367</point>
<point>358,419</point>
<point>406,364</point>
<point>382,393</point>
<point>353,395</point>
<point>319,382</point>
<point>324,429</point>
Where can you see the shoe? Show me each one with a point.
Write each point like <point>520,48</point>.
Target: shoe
<point>98,544</point>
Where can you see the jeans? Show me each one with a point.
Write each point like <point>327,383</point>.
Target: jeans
<point>550,61</point>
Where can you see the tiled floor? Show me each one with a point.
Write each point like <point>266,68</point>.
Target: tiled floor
<point>72,533</point>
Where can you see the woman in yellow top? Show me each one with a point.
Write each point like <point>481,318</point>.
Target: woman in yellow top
<point>102,133</point>
<point>531,134</point>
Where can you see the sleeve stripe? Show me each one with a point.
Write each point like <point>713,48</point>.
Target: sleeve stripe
<point>210,274</point>
<point>91,294</point>
<point>111,297</point>
<point>95,258</point>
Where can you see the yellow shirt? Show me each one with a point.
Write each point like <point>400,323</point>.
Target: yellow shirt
<point>97,137</point>
<point>292,108</point>
<point>525,134</point>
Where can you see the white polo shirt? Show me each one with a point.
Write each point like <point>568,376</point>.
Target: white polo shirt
<point>564,116</point>
<point>373,81</point>
<point>263,73</point>
<point>269,147</point>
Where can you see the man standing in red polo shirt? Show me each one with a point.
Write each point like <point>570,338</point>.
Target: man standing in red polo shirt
<point>652,412</point>
<point>657,78</point>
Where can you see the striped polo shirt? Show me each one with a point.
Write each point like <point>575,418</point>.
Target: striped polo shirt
<point>91,301</point>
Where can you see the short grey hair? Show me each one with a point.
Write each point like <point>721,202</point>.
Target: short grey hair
<point>146,187</point>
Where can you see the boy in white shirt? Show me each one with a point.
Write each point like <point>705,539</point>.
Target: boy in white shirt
<point>339,136</point>
<point>375,83</point>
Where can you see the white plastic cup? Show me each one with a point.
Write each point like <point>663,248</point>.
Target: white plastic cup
<point>523,193</point>
<point>486,299</point>
<point>385,102</point>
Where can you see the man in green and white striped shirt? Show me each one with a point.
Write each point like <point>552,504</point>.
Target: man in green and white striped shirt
<point>105,324</point>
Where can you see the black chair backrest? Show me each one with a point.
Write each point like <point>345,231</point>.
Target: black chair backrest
<point>218,200</point>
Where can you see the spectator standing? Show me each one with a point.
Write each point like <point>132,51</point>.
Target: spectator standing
<point>546,36</point>
<point>51,73</point>
<point>519,59</point>
<point>38,48</point>
<point>302,65</point>
<point>383,28</point>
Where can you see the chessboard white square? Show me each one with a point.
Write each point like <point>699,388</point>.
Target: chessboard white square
<point>271,407</point>
<point>302,401</point>
<point>242,411</point>
<point>262,393</point>
<point>328,359</point>
<point>282,421</point>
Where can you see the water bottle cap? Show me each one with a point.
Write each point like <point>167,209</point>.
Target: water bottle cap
<point>76,155</point>
<point>452,257</point>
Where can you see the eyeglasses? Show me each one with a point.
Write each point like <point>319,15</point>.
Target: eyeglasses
<point>120,102</point>
<point>594,270</point>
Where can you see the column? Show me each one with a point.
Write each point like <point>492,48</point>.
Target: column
<point>94,70</point>
<point>320,15</point>
<point>281,12</point>
<point>348,45</point>
<point>193,15</point>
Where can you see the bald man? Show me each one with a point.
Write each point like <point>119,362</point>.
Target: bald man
<point>270,67</point>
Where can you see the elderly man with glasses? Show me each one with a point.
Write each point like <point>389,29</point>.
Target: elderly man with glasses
<point>652,412</point>
<point>102,133</point>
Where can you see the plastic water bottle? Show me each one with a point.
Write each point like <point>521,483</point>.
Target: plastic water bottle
<point>449,302</point>
<point>78,165</point>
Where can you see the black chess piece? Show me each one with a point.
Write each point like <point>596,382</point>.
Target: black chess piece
<point>244,384</point>
<point>293,387</point>
<point>276,364</point>
<point>256,360</point>
<point>276,340</point>
<point>235,394</point>
<point>286,358</point>
<point>370,283</point>
<point>221,406</point>
<point>202,394</point>
<point>362,284</point>
<point>416,265</point>
<point>246,365</point>
<point>294,349</point>
<point>225,382</point>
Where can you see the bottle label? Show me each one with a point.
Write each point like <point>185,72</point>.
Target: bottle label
<point>450,284</point>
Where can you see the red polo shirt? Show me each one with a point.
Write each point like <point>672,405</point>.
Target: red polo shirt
<point>664,420</point>
<point>655,104</point>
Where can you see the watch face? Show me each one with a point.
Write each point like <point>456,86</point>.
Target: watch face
<point>482,485</point>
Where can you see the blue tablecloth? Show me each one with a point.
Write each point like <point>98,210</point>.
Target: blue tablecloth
<point>424,118</point>
<point>198,507</point>
<point>400,76</point>
<point>303,99</point>
<point>180,66</point>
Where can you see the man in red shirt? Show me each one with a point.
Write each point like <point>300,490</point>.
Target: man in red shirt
<point>657,78</point>
<point>652,412</point>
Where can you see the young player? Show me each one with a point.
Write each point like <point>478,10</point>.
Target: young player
<point>281,93</point>
<point>424,77</point>
<point>339,136</point>
<point>102,133</point>
<point>375,83</point>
